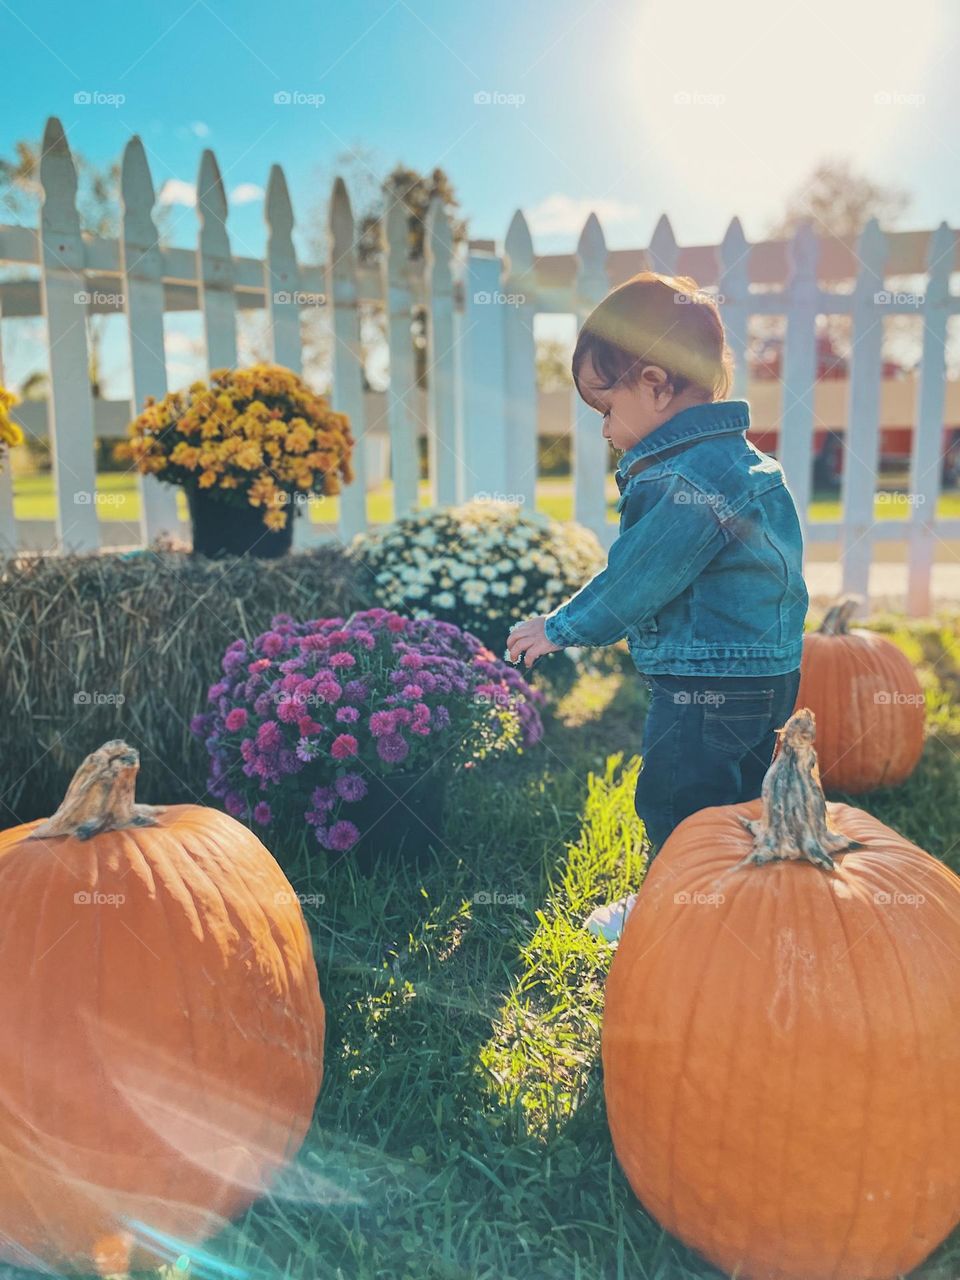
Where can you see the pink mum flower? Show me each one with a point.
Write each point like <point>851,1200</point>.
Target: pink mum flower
<point>382,722</point>
<point>268,735</point>
<point>344,744</point>
<point>236,719</point>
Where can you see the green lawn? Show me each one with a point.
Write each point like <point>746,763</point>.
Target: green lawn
<point>118,499</point>
<point>460,1132</point>
<point>461,1129</point>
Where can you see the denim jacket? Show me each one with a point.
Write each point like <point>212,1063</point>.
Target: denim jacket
<point>705,577</point>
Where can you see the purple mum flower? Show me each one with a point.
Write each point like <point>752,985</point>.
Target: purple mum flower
<point>262,814</point>
<point>234,804</point>
<point>351,787</point>
<point>393,748</point>
<point>343,835</point>
<point>323,798</point>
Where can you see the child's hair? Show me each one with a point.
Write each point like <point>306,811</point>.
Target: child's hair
<point>661,320</point>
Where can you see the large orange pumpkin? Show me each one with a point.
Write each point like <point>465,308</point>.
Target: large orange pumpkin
<point>161,1026</point>
<point>867,700</point>
<point>781,1036</point>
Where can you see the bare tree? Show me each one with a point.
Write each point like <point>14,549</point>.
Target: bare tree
<point>372,194</point>
<point>840,202</point>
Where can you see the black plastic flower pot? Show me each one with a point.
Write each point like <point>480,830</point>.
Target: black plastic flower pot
<point>224,529</point>
<point>399,818</point>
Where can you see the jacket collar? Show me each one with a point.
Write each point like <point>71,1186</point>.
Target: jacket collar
<point>696,422</point>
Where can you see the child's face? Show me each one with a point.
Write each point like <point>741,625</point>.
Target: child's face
<point>629,412</point>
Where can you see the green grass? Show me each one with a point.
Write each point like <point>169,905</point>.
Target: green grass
<point>461,1128</point>
<point>119,500</point>
<point>460,1132</point>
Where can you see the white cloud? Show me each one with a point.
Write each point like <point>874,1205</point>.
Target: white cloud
<point>176,191</point>
<point>559,214</point>
<point>199,128</point>
<point>179,343</point>
<point>246,193</point>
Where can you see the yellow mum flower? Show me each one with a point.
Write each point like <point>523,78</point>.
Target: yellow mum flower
<point>275,518</point>
<point>259,430</point>
<point>249,457</point>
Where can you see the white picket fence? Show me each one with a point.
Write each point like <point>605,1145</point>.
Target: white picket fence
<point>482,411</point>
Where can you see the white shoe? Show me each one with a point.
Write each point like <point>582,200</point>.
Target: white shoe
<point>607,921</point>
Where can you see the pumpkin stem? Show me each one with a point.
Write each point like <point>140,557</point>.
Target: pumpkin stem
<point>794,819</point>
<point>100,796</point>
<point>837,618</point>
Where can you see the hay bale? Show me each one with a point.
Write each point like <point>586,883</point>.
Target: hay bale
<point>99,646</point>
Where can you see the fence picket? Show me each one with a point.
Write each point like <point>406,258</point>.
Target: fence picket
<point>401,414</point>
<point>485,424</point>
<point>800,367</point>
<point>347,395</point>
<point>862,438</point>
<point>142,267</point>
<point>64,300</point>
<point>734,291</point>
<point>282,275</point>
<point>664,251</point>
<point>216,268</point>
<point>444,426</point>
<point>589,448</point>
<point>926,445</point>
<point>521,363</point>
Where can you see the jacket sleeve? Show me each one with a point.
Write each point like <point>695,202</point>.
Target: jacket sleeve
<point>656,556</point>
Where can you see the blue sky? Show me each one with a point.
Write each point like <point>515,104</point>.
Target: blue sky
<point>584,108</point>
<point>629,107</point>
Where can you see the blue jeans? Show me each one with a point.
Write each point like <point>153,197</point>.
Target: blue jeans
<point>707,740</point>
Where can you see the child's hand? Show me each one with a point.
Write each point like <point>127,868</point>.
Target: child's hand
<point>530,638</point>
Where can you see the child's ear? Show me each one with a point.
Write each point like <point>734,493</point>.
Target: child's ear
<point>657,380</point>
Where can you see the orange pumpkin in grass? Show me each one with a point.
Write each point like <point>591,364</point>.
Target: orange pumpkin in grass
<point>867,700</point>
<point>161,1026</point>
<point>781,1036</point>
